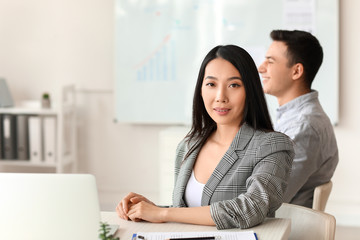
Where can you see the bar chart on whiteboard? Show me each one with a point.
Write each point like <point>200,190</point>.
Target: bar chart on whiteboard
<point>159,65</point>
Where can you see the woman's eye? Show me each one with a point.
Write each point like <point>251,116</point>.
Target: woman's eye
<point>235,85</point>
<point>210,84</point>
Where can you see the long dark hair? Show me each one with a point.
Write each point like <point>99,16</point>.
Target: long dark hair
<point>256,113</point>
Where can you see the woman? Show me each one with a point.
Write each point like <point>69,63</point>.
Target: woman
<point>231,169</point>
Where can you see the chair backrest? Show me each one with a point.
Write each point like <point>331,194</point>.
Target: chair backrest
<point>307,223</point>
<point>321,195</point>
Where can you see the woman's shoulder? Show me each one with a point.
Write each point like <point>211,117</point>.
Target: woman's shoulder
<point>182,148</point>
<point>268,134</point>
<point>182,144</point>
<point>271,141</point>
<point>272,137</point>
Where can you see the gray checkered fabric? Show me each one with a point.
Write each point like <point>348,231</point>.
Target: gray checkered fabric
<point>249,182</point>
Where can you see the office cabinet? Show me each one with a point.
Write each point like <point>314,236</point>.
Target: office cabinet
<point>45,138</point>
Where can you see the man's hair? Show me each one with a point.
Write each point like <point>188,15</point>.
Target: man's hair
<point>302,47</point>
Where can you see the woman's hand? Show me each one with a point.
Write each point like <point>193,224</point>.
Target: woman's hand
<point>146,211</point>
<point>127,202</point>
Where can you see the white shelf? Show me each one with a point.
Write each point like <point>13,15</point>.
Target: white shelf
<point>66,150</point>
<point>30,111</point>
<point>25,163</point>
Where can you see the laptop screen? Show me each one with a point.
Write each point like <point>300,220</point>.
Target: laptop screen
<point>48,206</point>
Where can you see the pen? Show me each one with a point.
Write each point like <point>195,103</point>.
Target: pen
<point>193,238</point>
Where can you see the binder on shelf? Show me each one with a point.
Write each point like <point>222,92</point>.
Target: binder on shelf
<point>22,132</point>
<point>35,139</point>
<point>1,139</point>
<point>9,136</point>
<point>49,133</point>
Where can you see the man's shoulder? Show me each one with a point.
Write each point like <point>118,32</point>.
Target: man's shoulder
<point>308,114</point>
<point>313,116</point>
<point>305,123</point>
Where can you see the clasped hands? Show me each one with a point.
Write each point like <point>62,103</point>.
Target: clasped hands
<point>137,208</point>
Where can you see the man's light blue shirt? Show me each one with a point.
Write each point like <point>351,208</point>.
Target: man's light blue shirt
<point>316,152</point>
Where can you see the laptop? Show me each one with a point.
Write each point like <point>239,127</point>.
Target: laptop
<point>49,206</point>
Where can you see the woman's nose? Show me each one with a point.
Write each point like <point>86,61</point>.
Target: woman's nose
<point>221,96</point>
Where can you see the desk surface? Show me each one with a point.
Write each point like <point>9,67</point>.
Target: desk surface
<point>272,228</point>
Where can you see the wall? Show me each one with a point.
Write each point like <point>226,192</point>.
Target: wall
<point>45,44</point>
<point>344,200</point>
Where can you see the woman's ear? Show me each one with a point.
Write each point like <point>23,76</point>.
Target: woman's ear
<point>297,71</point>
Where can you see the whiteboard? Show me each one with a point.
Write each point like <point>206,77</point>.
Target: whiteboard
<point>159,47</point>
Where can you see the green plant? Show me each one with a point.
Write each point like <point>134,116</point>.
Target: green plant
<point>46,96</point>
<point>104,231</point>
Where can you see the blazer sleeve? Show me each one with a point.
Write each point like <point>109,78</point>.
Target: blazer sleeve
<point>264,188</point>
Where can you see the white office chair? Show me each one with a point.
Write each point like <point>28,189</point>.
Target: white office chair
<point>307,223</point>
<point>321,195</point>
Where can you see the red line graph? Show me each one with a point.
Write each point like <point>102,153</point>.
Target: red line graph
<point>152,54</point>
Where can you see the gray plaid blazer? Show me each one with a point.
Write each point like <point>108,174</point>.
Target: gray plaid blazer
<point>249,182</point>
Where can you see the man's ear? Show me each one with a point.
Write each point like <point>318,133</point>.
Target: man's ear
<point>297,71</point>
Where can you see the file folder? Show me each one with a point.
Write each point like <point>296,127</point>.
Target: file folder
<point>9,136</point>
<point>1,139</point>
<point>22,137</point>
<point>49,127</point>
<point>35,139</point>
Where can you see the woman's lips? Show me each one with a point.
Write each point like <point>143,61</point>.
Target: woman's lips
<point>222,111</point>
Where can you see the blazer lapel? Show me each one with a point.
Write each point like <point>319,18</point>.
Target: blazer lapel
<point>239,143</point>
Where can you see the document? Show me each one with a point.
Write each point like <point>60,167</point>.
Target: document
<point>300,14</point>
<point>246,235</point>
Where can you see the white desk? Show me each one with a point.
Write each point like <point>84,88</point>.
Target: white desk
<point>272,228</point>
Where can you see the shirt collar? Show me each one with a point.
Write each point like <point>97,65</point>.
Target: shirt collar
<point>297,102</point>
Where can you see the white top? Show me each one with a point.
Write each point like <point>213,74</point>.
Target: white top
<point>193,192</point>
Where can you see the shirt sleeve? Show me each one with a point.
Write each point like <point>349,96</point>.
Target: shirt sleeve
<point>264,188</point>
<point>307,158</point>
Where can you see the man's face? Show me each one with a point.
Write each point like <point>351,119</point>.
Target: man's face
<point>275,72</point>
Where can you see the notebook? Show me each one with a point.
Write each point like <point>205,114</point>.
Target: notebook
<point>48,206</point>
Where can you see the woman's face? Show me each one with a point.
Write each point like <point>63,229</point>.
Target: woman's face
<point>223,92</point>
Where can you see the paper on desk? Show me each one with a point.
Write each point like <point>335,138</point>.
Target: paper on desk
<point>248,235</point>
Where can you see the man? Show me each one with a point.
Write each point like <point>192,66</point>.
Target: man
<point>290,66</point>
